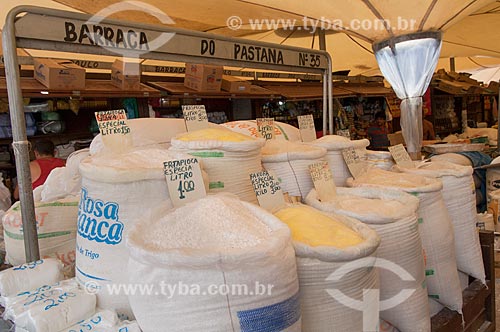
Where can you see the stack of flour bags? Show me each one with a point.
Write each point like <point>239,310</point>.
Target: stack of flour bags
<point>37,299</point>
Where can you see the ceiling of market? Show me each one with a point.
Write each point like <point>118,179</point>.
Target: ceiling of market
<point>471,27</point>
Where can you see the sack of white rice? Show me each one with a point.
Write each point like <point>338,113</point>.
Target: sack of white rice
<point>225,265</point>
<point>393,215</point>
<point>335,263</point>
<point>459,194</point>
<point>435,227</point>
<point>290,162</point>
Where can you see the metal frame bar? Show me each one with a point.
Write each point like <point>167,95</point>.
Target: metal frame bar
<point>11,41</point>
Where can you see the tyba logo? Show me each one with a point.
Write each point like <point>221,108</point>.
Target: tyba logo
<point>98,221</point>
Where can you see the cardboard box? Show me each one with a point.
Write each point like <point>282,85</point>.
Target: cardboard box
<point>233,84</point>
<point>59,74</point>
<point>205,78</point>
<point>126,75</point>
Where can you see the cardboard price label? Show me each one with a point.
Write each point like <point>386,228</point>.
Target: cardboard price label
<point>401,156</point>
<point>195,117</point>
<point>268,191</point>
<point>265,127</point>
<point>354,163</point>
<point>306,127</point>
<point>184,180</point>
<point>323,181</point>
<point>114,130</point>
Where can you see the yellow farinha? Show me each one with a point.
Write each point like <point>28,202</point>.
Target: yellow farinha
<point>313,228</point>
<point>214,134</point>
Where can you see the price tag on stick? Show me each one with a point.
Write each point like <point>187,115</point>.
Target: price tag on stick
<point>354,163</point>
<point>323,181</point>
<point>265,127</point>
<point>184,180</point>
<point>114,130</point>
<point>268,191</point>
<point>195,117</point>
<point>306,127</point>
<point>401,156</point>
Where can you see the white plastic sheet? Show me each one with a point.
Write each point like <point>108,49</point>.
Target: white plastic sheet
<point>408,63</point>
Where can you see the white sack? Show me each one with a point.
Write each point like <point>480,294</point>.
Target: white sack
<point>435,227</point>
<point>290,162</point>
<point>393,215</point>
<point>271,262</point>
<point>459,195</point>
<point>316,267</point>
<point>104,321</point>
<point>30,276</point>
<point>282,131</point>
<point>334,145</point>
<point>117,192</point>
<point>56,226</point>
<point>228,164</point>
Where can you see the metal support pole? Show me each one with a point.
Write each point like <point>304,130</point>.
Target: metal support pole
<point>20,141</point>
<point>330,95</point>
<point>327,89</point>
<point>325,102</point>
<point>452,64</point>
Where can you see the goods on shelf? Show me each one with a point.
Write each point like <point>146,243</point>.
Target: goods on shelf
<point>392,214</point>
<point>6,128</point>
<point>334,145</point>
<point>245,244</point>
<point>282,131</point>
<point>460,199</point>
<point>228,158</point>
<point>56,226</point>
<point>322,291</point>
<point>117,192</point>
<point>29,276</point>
<point>290,163</point>
<point>435,227</point>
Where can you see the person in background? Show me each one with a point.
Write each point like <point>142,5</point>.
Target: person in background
<point>45,161</point>
<point>377,132</point>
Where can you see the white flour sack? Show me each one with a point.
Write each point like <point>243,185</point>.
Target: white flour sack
<point>117,192</point>
<point>459,195</point>
<point>228,158</point>
<point>30,276</point>
<point>56,226</point>
<point>50,308</point>
<point>290,162</point>
<point>334,145</point>
<point>335,263</point>
<point>435,227</point>
<point>216,264</point>
<point>282,131</point>
<point>393,215</point>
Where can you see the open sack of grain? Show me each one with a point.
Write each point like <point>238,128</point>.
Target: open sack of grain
<point>459,194</point>
<point>435,227</point>
<point>334,145</point>
<point>393,215</point>
<point>228,158</point>
<point>282,131</point>
<point>290,162</point>
<point>118,190</point>
<point>335,263</point>
<point>226,265</point>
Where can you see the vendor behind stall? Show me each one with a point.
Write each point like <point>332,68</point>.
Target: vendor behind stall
<point>44,163</point>
<point>377,132</point>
